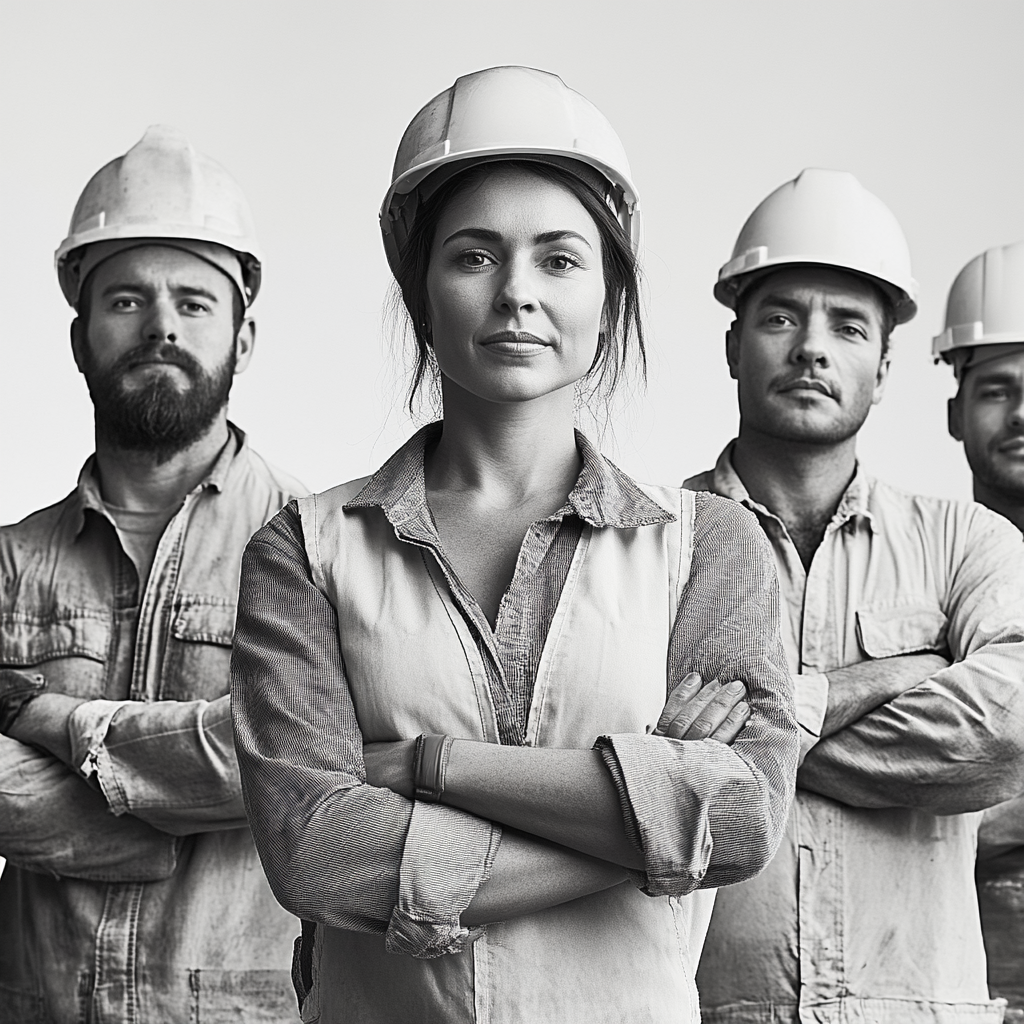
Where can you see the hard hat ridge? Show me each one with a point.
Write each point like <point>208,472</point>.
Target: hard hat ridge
<point>505,113</point>
<point>985,307</point>
<point>827,218</point>
<point>162,189</point>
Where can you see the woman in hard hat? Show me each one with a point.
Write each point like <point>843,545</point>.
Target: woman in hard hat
<point>450,679</point>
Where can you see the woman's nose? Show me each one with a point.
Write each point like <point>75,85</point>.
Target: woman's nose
<point>516,293</point>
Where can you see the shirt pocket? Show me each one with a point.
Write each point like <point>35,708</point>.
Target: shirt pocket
<point>197,662</point>
<point>67,647</point>
<point>884,631</point>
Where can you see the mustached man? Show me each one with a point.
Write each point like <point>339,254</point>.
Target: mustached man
<point>905,637</point>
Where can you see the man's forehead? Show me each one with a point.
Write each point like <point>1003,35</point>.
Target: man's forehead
<point>160,264</point>
<point>996,363</point>
<point>812,285</point>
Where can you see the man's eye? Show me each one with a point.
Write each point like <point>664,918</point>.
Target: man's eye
<point>778,320</point>
<point>194,308</point>
<point>993,394</point>
<point>124,304</point>
<point>853,331</point>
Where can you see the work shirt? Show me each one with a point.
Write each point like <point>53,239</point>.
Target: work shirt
<point>869,912</point>
<point>354,627</point>
<point>1000,881</point>
<point>132,891</point>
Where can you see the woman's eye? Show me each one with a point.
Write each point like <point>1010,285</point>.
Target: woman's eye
<point>562,262</point>
<point>473,260</point>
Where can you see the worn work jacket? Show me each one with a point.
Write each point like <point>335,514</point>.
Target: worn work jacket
<point>869,912</point>
<point>135,896</point>
<point>366,634</point>
<point>1001,897</point>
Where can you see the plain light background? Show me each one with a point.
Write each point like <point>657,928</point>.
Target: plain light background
<point>304,102</point>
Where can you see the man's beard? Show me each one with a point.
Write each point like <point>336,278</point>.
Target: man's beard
<point>159,417</point>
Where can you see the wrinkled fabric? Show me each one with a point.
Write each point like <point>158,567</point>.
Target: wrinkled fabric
<point>1000,881</point>
<point>353,626</point>
<point>868,911</point>
<point>132,890</point>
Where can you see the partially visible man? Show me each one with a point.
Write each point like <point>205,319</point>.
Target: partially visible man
<point>984,342</point>
<point>905,634</point>
<point>132,891</point>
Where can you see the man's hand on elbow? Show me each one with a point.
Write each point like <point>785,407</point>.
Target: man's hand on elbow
<point>856,690</point>
<point>43,722</point>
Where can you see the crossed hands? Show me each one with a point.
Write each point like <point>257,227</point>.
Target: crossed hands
<point>697,711</point>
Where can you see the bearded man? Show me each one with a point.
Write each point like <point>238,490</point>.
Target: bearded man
<point>132,890</point>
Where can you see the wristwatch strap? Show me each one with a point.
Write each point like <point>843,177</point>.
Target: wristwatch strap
<point>430,763</point>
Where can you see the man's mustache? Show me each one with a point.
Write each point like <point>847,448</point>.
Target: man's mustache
<point>161,352</point>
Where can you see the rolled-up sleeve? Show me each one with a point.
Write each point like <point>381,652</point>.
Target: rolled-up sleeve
<point>336,850</point>
<point>170,763</point>
<point>960,733</point>
<point>51,821</point>
<point>704,813</point>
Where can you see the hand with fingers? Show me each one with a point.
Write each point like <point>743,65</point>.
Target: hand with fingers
<point>698,711</point>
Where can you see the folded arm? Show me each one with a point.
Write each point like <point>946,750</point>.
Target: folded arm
<point>684,812</point>
<point>338,850</point>
<point>170,763</point>
<point>52,821</point>
<point>954,742</point>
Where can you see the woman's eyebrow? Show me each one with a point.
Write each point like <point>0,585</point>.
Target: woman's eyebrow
<point>484,234</point>
<point>487,235</point>
<point>558,236</point>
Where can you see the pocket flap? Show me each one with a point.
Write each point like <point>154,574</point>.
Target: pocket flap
<point>204,620</point>
<point>885,632</point>
<point>27,639</point>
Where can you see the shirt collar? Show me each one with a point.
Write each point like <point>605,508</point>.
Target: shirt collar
<point>854,504</point>
<point>603,494</point>
<point>88,495</point>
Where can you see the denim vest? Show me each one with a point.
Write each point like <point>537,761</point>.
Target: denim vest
<point>613,956</point>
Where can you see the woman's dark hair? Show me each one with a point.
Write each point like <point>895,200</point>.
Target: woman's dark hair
<point>623,325</point>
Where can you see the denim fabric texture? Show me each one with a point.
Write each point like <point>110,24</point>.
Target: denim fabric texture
<point>132,891</point>
<point>353,626</point>
<point>869,910</point>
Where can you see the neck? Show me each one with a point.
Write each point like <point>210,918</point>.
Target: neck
<point>800,483</point>
<point>1009,507</point>
<point>146,482</point>
<point>510,452</point>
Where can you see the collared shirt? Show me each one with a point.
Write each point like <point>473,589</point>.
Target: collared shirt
<point>132,890</point>
<point>868,911</point>
<point>357,858</point>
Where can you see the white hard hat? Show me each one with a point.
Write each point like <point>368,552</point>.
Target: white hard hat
<point>499,114</point>
<point>162,190</point>
<point>827,218</point>
<point>985,306</point>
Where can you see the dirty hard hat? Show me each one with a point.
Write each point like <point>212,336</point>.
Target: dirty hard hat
<point>161,192</point>
<point>505,113</point>
<point>826,218</point>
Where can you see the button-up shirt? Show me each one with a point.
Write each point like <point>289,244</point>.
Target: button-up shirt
<point>132,891</point>
<point>868,911</point>
<point>354,625</point>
